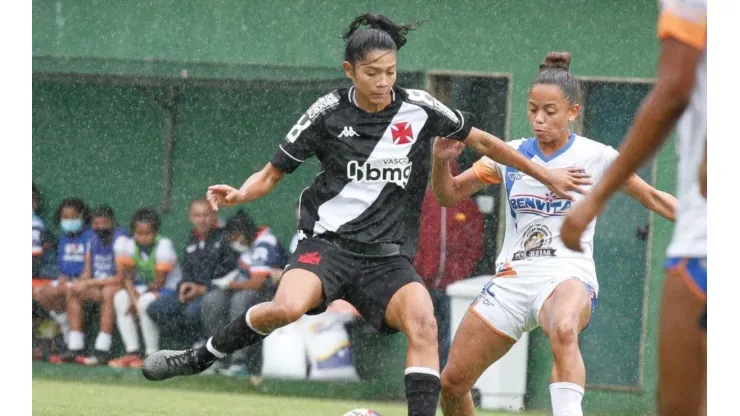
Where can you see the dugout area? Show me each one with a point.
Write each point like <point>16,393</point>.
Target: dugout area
<point>157,133</point>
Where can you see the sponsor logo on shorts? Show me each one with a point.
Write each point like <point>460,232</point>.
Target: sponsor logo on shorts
<point>535,243</point>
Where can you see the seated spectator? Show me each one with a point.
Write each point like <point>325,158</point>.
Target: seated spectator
<point>207,255</point>
<point>149,268</point>
<point>72,217</point>
<point>43,255</point>
<point>261,258</point>
<point>98,283</point>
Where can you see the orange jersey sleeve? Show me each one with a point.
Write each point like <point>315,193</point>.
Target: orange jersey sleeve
<point>685,21</point>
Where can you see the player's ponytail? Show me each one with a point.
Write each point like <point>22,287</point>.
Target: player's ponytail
<point>380,33</point>
<point>555,70</point>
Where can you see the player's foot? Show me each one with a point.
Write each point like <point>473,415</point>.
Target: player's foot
<point>168,363</point>
<point>125,361</point>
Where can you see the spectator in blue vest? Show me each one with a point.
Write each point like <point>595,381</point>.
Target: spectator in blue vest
<point>98,283</point>
<point>73,218</point>
<point>43,269</point>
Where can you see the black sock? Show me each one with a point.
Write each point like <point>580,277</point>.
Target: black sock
<point>422,393</point>
<point>235,336</point>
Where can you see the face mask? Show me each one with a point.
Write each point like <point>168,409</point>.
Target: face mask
<point>104,234</point>
<point>237,246</point>
<point>71,226</point>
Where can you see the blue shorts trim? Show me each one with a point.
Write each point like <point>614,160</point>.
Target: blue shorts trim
<point>693,268</point>
<point>594,303</point>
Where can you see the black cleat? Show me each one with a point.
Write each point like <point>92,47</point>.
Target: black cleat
<point>168,363</point>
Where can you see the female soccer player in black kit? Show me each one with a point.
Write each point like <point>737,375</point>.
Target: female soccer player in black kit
<point>374,142</point>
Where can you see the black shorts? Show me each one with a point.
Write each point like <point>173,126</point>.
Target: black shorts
<point>366,281</point>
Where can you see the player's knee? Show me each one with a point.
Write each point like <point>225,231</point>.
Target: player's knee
<point>564,332</point>
<point>287,311</point>
<point>452,384</point>
<point>109,292</point>
<point>70,290</point>
<point>422,329</point>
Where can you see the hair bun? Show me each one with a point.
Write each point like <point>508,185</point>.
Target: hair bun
<point>556,60</point>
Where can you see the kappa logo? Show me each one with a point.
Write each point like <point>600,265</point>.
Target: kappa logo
<point>348,132</point>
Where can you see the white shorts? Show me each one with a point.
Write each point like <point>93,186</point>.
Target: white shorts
<point>511,305</point>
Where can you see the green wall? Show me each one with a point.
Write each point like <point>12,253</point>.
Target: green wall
<point>103,142</point>
<point>229,38</point>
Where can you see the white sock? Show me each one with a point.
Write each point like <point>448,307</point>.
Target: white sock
<point>422,370</point>
<point>61,319</point>
<point>126,323</point>
<point>566,399</point>
<point>215,352</point>
<point>149,329</point>
<point>76,340</point>
<point>103,341</point>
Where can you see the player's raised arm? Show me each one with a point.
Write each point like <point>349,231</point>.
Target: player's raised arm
<point>256,186</point>
<point>449,189</point>
<point>654,120</point>
<point>560,181</point>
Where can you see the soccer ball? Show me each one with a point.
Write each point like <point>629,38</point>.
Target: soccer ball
<point>362,412</point>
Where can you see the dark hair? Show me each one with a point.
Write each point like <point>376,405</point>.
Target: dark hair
<point>103,211</point>
<point>381,34</point>
<point>75,203</point>
<point>243,224</point>
<point>39,201</point>
<point>149,215</point>
<point>556,71</point>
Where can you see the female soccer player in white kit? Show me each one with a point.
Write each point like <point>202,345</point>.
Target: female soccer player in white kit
<point>538,281</point>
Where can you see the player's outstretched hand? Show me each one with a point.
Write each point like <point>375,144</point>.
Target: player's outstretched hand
<point>446,149</point>
<point>567,180</point>
<point>223,196</point>
<point>577,220</point>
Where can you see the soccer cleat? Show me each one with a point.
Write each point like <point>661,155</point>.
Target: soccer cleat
<point>168,363</point>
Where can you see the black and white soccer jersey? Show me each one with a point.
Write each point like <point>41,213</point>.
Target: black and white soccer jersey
<point>375,166</point>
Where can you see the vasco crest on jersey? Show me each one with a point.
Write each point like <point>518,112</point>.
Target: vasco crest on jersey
<point>535,243</point>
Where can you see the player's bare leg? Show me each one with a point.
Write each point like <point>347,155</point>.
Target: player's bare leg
<point>299,292</point>
<point>475,347</point>
<point>562,317</point>
<point>410,310</point>
<point>682,361</point>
